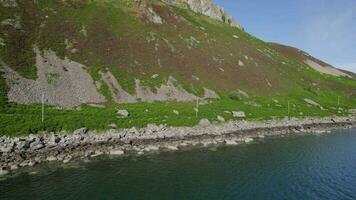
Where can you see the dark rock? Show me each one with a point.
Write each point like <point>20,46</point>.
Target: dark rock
<point>23,145</point>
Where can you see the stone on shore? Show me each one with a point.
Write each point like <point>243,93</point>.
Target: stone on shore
<point>34,149</point>
<point>204,122</point>
<point>221,118</point>
<point>248,140</point>
<point>54,139</point>
<point>67,159</point>
<point>96,154</point>
<point>172,148</point>
<point>14,167</point>
<point>51,158</point>
<point>151,148</point>
<point>80,131</point>
<point>116,152</point>
<point>6,148</point>
<point>230,142</point>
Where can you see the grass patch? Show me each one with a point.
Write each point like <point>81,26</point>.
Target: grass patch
<point>20,119</point>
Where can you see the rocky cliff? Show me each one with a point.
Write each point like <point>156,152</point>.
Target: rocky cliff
<point>208,8</point>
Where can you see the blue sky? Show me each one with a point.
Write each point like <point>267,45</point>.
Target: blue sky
<point>324,28</point>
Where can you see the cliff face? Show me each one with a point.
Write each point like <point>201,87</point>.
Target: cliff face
<point>208,8</point>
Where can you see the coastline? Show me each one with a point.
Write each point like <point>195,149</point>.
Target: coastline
<point>27,151</point>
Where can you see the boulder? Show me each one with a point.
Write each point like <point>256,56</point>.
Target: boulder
<point>67,159</point>
<point>37,146</point>
<point>152,128</point>
<point>238,114</point>
<point>220,118</point>
<point>51,158</point>
<point>23,145</point>
<point>172,148</point>
<point>311,102</point>
<point>54,139</point>
<point>248,140</point>
<point>116,152</point>
<point>230,142</point>
<point>80,131</point>
<point>241,64</point>
<point>14,167</point>
<point>133,131</point>
<point>204,122</point>
<point>7,148</point>
<point>152,148</point>
<point>123,113</point>
<point>96,154</point>
<point>155,76</point>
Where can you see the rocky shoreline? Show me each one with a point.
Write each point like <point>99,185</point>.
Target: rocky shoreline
<point>64,147</point>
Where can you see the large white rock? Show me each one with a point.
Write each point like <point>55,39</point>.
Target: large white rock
<point>220,118</point>
<point>239,114</point>
<point>230,142</point>
<point>248,140</point>
<point>204,122</point>
<point>116,152</point>
<point>123,113</point>
<point>311,102</point>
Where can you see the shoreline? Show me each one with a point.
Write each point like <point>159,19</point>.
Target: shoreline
<point>18,152</point>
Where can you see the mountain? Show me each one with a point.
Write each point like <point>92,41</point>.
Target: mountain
<point>87,59</point>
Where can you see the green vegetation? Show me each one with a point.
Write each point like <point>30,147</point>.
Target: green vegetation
<point>197,51</point>
<point>19,119</point>
<point>3,91</point>
<point>19,37</point>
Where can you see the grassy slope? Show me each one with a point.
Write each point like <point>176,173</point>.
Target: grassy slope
<point>116,38</point>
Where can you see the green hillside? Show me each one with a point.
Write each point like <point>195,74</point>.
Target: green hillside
<point>248,74</point>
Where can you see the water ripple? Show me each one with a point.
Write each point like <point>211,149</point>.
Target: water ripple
<point>307,167</point>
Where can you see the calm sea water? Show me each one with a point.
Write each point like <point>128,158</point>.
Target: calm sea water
<point>303,167</point>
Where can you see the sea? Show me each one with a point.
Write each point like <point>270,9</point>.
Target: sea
<point>292,167</point>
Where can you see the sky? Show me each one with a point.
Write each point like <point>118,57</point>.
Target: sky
<point>324,28</point>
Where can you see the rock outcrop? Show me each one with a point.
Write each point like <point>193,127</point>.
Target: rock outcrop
<point>325,69</point>
<point>169,91</point>
<point>60,83</point>
<point>208,8</point>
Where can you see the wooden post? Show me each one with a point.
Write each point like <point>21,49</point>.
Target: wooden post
<point>288,109</point>
<point>197,108</point>
<point>43,110</point>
